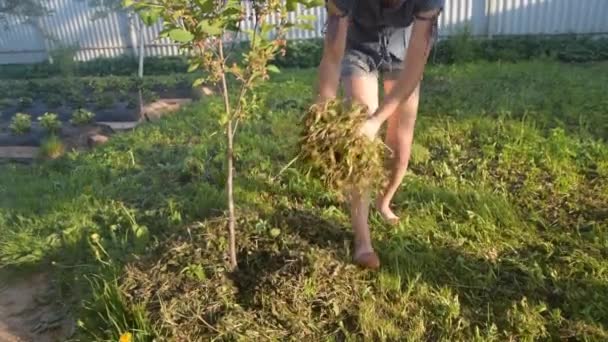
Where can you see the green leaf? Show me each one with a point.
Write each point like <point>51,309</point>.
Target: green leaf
<point>254,37</point>
<point>273,68</point>
<point>210,29</point>
<point>181,35</point>
<point>230,12</point>
<point>266,28</point>
<point>274,232</point>
<point>305,26</point>
<point>195,271</point>
<point>222,121</point>
<point>313,3</point>
<point>205,6</point>
<point>198,82</point>
<point>193,67</point>
<point>142,236</point>
<point>291,5</point>
<point>127,3</point>
<point>232,26</point>
<point>307,17</point>
<point>232,4</point>
<point>150,16</point>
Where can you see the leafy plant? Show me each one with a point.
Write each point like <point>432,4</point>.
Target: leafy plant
<point>201,28</point>
<point>301,54</point>
<point>50,122</point>
<point>82,116</point>
<point>149,95</point>
<point>78,100</point>
<point>130,323</point>
<point>462,46</point>
<point>98,85</point>
<point>52,147</point>
<point>21,123</point>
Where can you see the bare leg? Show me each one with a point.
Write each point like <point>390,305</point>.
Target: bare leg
<point>399,137</point>
<point>333,50</point>
<point>364,90</point>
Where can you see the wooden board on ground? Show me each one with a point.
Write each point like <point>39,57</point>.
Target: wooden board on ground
<point>120,125</point>
<point>157,109</point>
<point>18,152</point>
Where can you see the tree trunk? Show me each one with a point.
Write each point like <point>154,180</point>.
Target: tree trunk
<point>140,70</point>
<point>230,166</point>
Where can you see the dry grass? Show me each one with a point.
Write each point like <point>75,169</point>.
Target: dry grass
<point>332,150</point>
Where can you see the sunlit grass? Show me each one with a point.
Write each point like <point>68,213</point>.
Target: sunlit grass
<point>503,233</point>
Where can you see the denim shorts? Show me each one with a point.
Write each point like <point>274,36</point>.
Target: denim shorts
<point>376,58</point>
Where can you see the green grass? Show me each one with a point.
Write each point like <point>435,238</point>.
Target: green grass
<point>52,147</point>
<point>504,233</point>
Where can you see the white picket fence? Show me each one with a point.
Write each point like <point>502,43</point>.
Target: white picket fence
<point>71,24</point>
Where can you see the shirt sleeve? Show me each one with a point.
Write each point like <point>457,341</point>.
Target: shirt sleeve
<point>428,5</point>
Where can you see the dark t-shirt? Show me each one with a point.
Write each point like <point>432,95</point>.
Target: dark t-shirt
<point>378,27</point>
<point>372,18</point>
<point>375,14</point>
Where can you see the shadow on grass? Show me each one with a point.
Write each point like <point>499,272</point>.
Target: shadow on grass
<point>254,271</point>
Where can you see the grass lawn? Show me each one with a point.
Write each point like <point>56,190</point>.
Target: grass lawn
<point>504,233</point>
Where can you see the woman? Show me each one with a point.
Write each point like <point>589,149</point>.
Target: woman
<point>368,39</point>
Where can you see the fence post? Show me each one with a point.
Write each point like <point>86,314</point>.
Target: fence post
<point>132,33</point>
<point>37,24</point>
<point>142,28</point>
<point>489,12</point>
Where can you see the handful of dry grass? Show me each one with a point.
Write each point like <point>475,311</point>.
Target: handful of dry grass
<point>332,149</point>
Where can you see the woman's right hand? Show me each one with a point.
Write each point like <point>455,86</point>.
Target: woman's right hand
<point>370,128</point>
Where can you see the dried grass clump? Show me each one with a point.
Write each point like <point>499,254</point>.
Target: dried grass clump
<point>332,150</point>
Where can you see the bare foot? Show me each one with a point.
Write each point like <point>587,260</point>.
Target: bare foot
<point>385,211</point>
<point>367,259</point>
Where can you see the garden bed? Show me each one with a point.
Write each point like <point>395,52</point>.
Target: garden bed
<point>104,104</point>
<point>111,98</point>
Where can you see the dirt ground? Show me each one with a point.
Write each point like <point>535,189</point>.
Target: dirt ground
<point>29,311</point>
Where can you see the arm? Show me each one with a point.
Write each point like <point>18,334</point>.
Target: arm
<point>333,50</point>
<point>409,78</point>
